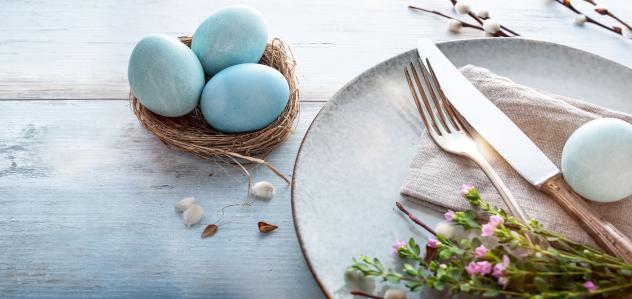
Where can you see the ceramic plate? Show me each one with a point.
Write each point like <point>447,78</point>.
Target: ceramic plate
<point>355,155</point>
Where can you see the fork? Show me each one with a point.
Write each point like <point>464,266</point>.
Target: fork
<point>447,131</point>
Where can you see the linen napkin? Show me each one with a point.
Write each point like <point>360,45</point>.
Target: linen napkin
<point>435,176</point>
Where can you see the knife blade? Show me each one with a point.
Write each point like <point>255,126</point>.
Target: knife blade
<point>491,123</point>
<point>518,150</point>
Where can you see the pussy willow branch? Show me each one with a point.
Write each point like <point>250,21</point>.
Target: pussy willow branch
<point>414,219</point>
<point>480,21</point>
<point>364,294</point>
<point>607,12</point>
<point>567,4</point>
<point>465,24</point>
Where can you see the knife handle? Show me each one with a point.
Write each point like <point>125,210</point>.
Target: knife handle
<point>603,232</point>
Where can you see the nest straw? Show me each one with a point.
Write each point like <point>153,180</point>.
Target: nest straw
<point>190,133</point>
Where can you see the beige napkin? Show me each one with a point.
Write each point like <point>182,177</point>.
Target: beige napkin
<point>435,176</point>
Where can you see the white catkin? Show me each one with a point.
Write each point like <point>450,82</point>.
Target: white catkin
<point>446,229</point>
<point>483,13</point>
<point>580,20</point>
<point>184,204</point>
<point>263,189</point>
<point>462,8</point>
<point>192,215</point>
<point>491,26</point>
<point>395,294</point>
<point>454,26</point>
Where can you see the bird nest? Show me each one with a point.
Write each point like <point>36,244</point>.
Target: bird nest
<point>191,133</point>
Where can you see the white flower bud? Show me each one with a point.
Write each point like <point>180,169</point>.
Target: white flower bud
<point>483,14</point>
<point>491,26</point>
<point>454,26</point>
<point>395,294</point>
<point>462,8</point>
<point>184,204</point>
<point>626,32</point>
<point>263,190</point>
<point>580,20</point>
<point>192,215</point>
<point>445,229</point>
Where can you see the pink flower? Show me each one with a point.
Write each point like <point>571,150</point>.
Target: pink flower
<point>484,267</point>
<point>449,215</point>
<point>495,220</point>
<point>503,281</point>
<point>487,230</point>
<point>590,286</point>
<point>481,251</point>
<point>397,245</point>
<point>499,269</point>
<point>466,188</point>
<point>471,268</point>
<point>433,243</point>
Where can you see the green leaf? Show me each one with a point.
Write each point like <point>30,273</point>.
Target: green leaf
<point>491,293</point>
<point>466,287</point>
<point>625,272</point>
<point>393,277</point>
<point>541,284</point>
<point>378,265</point>
<point>410,270</point>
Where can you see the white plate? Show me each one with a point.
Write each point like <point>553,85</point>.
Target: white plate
<point>356,153</point>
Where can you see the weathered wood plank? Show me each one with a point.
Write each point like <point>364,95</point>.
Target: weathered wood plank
<point>88,195</point>
<point>79,49</point>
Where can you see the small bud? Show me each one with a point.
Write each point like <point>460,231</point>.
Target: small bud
<point>184,204</point>
<point>626,32</point>
<point>445,229</point>
<point>491,26</point>
<point>263,190</point>
<point>617,29</point>
<point>580,20</point>
<point>483,14</point>
<point>192,215</point>
<point>601,10</point>
<point>395,294</point>
<point>462,8</point>
<point>454,26</point>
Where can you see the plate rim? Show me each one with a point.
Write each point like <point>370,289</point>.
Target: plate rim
<point>355,79</point>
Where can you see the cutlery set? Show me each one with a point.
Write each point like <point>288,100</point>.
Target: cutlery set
<point>454,109</point>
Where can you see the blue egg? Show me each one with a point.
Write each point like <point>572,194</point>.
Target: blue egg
<point>244,97</point>
<point>232,35</point>
<point>597,160</point>
<point>165,75</point>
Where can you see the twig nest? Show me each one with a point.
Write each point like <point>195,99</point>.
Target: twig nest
<point>491,26</point>
<point>395,294</point>
<point>191,133</point>
<point>184,204</point>
<point>580,20</point>
<point>192,215</point>
<point>462,8</point>
<point>483,13</point>
<point>454,26</point>
<point>626,32</point>
<point>263,189</point>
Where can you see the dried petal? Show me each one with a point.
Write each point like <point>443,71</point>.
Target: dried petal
<point>266,227</point>
<point>209,231</point>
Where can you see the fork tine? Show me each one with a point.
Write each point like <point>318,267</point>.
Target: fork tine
<point>414,93</point>
<point>428,109</point>
<point>452,116</point>
<point>432,91</point>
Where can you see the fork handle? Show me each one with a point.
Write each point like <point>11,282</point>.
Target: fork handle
<point>603,232</point>
<point>498,183</point>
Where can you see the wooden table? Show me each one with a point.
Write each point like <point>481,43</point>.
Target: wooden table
<point>88,194</point>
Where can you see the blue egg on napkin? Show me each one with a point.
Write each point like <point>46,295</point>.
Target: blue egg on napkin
<point>244,97</point>
<point>230,36</point>
<point>597,160</point>
<point>165,75</point>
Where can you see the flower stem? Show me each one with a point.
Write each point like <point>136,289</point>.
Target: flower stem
<point>465,24</point>
<point>610,14</point>
<point>570,6</point>
<point>414,219</point>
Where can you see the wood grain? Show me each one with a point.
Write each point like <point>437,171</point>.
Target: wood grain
<point>71,49</point>
<point>88,211</point>
<point>604,233</point>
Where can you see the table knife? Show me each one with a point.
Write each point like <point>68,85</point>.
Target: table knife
<point>519,151</point>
